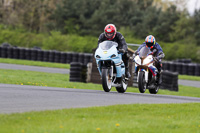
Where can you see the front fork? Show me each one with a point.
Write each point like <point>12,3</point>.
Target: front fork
<point>145,74</point>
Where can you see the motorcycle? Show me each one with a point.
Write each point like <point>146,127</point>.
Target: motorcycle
<point>111,66</point>
<point>146,71</point>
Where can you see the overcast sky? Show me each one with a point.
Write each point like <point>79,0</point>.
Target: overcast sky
<point>192,5</point>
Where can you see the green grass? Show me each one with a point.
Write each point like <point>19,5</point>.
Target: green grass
<point>187,77</point>
<point>134,118</point>
<point>20,77</point>
<point>34,63</point>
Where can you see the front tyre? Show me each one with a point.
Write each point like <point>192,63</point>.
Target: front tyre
<point>155,90</point>
<point>124,85</point>
<point>141,82</point>
<point>106,80</point>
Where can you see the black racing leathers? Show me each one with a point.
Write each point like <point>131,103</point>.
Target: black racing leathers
<point>121,45</point>
<point>118,38</point>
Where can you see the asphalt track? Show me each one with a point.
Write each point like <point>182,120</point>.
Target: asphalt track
<point>24,98</point>
<point>34,68</point>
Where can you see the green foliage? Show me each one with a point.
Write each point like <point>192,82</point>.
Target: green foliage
<point>71,42</point>
<point>54,41</point>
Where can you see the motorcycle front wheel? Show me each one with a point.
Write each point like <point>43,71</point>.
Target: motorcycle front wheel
<point>106,80</point>
<point>141,82</point>
<point>155,90</point>
<point>124,85</point>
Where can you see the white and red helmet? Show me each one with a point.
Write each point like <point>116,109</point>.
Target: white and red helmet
<point>110,31</point>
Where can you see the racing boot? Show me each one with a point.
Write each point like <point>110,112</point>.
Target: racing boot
<point>127,74</point>
<point>159,78</point>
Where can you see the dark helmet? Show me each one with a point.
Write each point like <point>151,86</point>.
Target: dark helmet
<point>110,31</point>
<point>150,41</point>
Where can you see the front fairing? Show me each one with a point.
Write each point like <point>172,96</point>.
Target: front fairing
<point>144,61</point>
<point>109,54</point>
<point>106,54</point>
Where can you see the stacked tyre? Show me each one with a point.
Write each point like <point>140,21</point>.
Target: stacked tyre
<point>4,52</point>
<point>75,57</point>
<point>16,53</point>
<point>22,53</point>
<point>75,72</point>
<point>169,80</point>
<point>135,83</point>
<point>57,57</point>
<point>34,54</point>
<point>69,57</point>
<point>197,70</point>
<point>63,57</point>
<point>28,54</point>
<point>10,52</point>
<point>46,56</point>
<point>87,58</point>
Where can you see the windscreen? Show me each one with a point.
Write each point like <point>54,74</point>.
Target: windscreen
<point>144,52</point>
<point>105,45</point>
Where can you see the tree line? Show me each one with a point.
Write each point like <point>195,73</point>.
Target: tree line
<point>135,18</point>
<point>89,17</point>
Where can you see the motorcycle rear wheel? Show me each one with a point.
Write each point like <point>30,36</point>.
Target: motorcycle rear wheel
<point>142,83</point>
<point>106,81</point>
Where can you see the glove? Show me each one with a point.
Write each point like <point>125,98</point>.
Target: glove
<point>121,50</point>
<point>150,53</point>
<point>136,52</point>
<point>155,50</point>
<point>156,59</point>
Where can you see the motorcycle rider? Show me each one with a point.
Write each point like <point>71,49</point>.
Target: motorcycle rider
<point>110,33</point>
<point>157,52</point>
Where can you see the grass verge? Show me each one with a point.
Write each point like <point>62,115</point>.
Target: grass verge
<point>62,80</point>
<point>187,77</point>
<point>138,118</point>
<point>34,63</point>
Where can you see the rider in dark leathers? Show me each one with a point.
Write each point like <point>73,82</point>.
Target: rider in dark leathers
<point>156,50</point>
<point>110,33</point>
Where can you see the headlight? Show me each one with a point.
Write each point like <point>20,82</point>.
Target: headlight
<point>113,56</point>
<point>97,56</point>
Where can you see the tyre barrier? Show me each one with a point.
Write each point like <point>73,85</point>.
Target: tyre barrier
<point>87,58</point>
<point>78,72</point>
<point>16,53</point>
<point>63,57</point>
<point>9,53</point>
<point>43,55</point>
<point>183,60</point>
<point>51,56</point>
<point>22,53</point>
<point>135,83</point>
<point>57,57</point>
<point>169,81</point>
<point>40,55</point>
<point>46,56</point>
<point>182,68</point>
<point>4,52</point>
<point>81,58</point>
<point>28,54</point>
<point>69,57</point>
<point>75,57</point>
<point>34,54</point>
